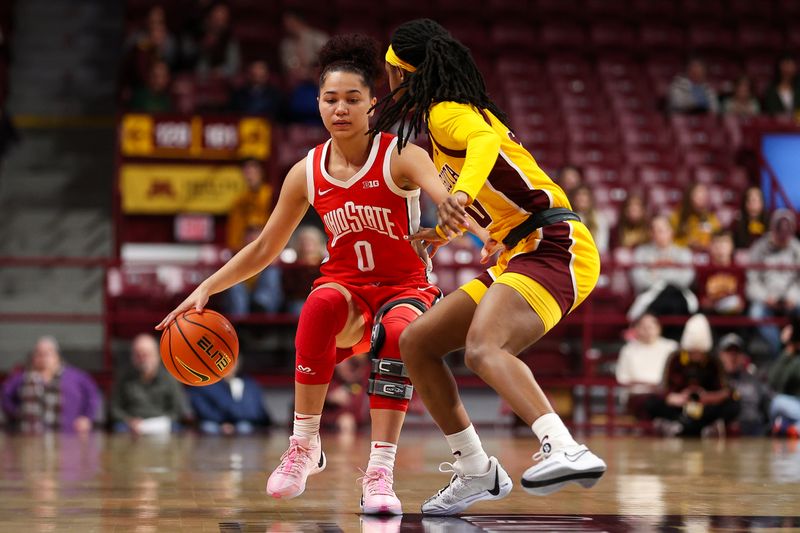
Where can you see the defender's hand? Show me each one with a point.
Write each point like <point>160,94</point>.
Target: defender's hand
<point>490,247</point>
<point>429,238</point>
<point>452,215</point>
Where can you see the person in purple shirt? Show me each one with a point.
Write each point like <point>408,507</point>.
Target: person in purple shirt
<point>49,395</point>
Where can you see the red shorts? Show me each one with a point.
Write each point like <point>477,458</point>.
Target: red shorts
<point>370,298</point>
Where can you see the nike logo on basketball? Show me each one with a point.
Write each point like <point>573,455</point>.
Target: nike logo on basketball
<point>323,193</point>
<point>201,377</point>
<point>305,370</point>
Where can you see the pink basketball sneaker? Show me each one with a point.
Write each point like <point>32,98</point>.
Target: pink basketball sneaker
<point>301,460</point>
<point>377,495</point>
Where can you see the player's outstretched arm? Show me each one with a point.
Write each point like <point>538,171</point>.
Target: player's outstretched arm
<point>253,258</point>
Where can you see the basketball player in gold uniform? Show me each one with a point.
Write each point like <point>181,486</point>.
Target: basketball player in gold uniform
<point>548,265</point>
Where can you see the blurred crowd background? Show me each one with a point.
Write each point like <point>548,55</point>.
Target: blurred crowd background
<point>144,143</point>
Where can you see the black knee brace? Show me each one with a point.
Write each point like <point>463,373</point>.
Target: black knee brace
<point>396,386</point>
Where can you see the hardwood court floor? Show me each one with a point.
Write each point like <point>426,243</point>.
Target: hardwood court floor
<point>193,483</point>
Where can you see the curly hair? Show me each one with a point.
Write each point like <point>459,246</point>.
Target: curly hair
<point>445,72</point>
<point>354,53</point>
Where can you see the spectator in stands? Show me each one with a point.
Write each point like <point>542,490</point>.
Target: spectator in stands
<point>232,406</point>
<point>582,201</point>
<point>782,97</point>
<point>662,275</point>
<point>146,400</point>
<point>751,220</point>
<point>251,210</point>
<point>299,50</point>
<point>309,250</point>
<point>246,219</point>
<point>784,381</point>
<point>633,228</point>
<point>263,293</point>
<point>694,222</point>
<point>751,392</point>
<point>641,362</point>
<point>721,283</point>
<point>775,291</point>
<point>155,96</point>
<point>50,395</point>
<point>345,406</point>
<point>690,92</point>
<point>742,103</point>
<point>216,52</point>
<point>154,37</point>
<point>257,96</point>
<point>696,393</point>
<point>146,46</point>
<point>570,178</point>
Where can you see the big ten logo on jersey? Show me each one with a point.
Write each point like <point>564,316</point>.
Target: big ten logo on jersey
<point>371,184</point>
<point>354,218</point>
<point>218,357</point>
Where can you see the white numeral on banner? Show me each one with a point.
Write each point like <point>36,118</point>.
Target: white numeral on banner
<point>364,254</point>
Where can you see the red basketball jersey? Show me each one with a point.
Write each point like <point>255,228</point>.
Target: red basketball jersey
<point>366,218</point>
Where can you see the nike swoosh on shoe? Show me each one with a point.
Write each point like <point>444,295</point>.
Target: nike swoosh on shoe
<point>496,489</point>
<point>575,457</point>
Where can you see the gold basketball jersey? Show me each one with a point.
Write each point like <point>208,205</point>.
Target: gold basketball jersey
<point>477,154</point>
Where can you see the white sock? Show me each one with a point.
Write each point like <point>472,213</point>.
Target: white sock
<point>551,427</point>
<point>381,454</point>
<point>468,451</point>
<point>306,426</point>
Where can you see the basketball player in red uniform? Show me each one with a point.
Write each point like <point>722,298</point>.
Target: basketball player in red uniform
<point>373,284</point>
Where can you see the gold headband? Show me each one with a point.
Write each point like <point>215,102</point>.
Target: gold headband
<point>395,61</point>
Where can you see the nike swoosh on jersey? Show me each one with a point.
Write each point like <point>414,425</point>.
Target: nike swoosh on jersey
<point>323,193</point>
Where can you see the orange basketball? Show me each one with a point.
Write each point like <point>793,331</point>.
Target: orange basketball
<point>199,348</point>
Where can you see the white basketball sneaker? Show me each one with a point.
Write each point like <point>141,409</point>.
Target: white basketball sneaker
<point>302,459</point>
<point>554,469</point>
<point>464,490</point>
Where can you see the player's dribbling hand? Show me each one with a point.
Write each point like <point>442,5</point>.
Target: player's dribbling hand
<point>197,300</point>
<point>452,215</point>
<point>429,238</point>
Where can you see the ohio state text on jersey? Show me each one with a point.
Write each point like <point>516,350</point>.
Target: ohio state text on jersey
<point>366,218</point>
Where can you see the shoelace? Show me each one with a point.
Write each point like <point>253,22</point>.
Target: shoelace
<point>455,481</point>
<point>292,459</point>
<point>541,455</point>
<point>378,482</point>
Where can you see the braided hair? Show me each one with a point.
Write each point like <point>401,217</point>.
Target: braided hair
<point>353,53</point>
<point>445,72</point>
